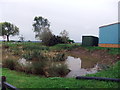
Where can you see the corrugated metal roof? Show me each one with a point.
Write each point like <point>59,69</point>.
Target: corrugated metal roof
<point>109,24</point>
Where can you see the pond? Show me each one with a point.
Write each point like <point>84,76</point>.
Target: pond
<point>74,64</point>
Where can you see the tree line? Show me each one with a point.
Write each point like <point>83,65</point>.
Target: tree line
<point>41,27</point>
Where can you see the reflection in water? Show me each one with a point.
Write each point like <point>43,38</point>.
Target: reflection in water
<point>74,64</point>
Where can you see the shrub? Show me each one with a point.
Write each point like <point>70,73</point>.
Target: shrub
<point>19,67</point>
<point>57,70</point>
<point>54,40</point>
<point>28,69</point>
<point>103,66</point>
<point>60,57</point>
<point>16,52</point>
<point>28,55</point>
<point>5,47</point>
<point>9,63</point>
<point>38,67</point>
<point>35,54</point>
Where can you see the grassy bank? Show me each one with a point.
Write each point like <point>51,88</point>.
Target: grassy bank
<point>59,47</point>
<point>22,80</point>
<point>113,51</point>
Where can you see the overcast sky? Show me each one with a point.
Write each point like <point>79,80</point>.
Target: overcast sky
<point>78,17</point>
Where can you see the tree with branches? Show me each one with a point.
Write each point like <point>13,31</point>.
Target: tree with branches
<point>42,29</point>
<point>7,29</point>
<point>64,36</point>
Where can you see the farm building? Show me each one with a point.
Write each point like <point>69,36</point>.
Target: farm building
<point>109,35</point>
<point>89,41</point>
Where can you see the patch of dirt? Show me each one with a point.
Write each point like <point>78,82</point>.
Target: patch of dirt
<point>91,58</point>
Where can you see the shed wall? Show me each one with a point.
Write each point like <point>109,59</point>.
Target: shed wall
<point>89,41</point>
<point>109,34</point>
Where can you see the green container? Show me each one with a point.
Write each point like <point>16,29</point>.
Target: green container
<point>89,41</point>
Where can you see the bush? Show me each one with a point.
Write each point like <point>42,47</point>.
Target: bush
<point>16,52</point>
<point>57,70</point>
<point>35,54</point>
<point>38,67</point>
<point>9,63</point>
<point>28,55</point>
<point>5,47</point>
<point>28,69</point>
<point>54,40</point>
<point>60,57</point>
<point>19,67</point>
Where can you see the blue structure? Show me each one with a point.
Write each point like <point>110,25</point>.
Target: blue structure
<point>109,35</point>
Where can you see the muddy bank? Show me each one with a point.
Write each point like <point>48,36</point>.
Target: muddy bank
<point>91,58</point>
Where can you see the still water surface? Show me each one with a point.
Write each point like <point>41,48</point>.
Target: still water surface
<point>74,64</point>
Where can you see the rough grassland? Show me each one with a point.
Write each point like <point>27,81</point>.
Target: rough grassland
<point>22,80</point>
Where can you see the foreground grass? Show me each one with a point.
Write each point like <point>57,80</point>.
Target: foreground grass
<point>22,80</point>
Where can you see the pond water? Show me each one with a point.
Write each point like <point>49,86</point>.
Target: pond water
<point>74,64</point>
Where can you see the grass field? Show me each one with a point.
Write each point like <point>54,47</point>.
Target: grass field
<point>22,80</point>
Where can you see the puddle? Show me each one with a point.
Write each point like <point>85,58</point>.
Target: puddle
<point>74,64</point>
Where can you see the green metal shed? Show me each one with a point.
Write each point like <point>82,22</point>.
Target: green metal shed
<point>89,41</point>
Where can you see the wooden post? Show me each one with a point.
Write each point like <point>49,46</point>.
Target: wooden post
<point>6,85</point>
<point>2,81</point>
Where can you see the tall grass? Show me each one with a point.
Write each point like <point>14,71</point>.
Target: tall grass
<point>39,67</point>
<point>57,70</point>
<point>35,47</point>
<point>9,63</point>
<point>60,57</point>
<point>34,54</point>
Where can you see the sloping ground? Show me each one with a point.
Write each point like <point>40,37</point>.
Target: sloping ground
<point>91,57</point>
<point>22,80</point>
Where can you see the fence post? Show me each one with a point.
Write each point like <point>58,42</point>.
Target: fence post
<point>2,81</point>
